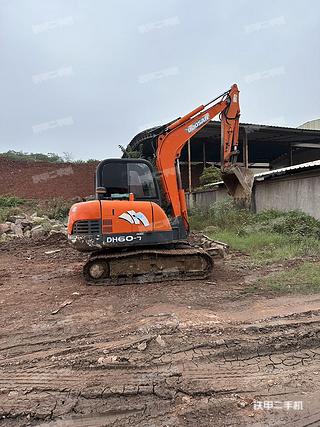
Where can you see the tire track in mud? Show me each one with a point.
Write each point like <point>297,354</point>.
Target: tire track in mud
<point>100,361</point>
<point>252,360</point>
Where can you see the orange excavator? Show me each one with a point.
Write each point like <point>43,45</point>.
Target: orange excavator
<point>137,228</point>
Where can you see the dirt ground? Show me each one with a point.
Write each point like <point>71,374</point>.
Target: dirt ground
<point>176,354</point>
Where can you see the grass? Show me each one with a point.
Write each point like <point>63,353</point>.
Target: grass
<point>8,201</point>
<point>301,279</point>
<point>269,238</point>
<point>268,248</point>
<point>54,209</point>
<point>9,206</point>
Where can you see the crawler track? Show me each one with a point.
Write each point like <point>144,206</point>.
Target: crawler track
<point>182,262</point>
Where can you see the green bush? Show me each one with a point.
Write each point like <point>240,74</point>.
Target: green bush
<point>7,213</point>
<point>10,201</point>
<point>294,223</point>
<point>298,223</point>
<point>267,237</point>
<point>20,155</point>
<point>226,215</point>
<point>9,206</point>
<point>129,153</point>
<point>210,175</point>
<point>42,157</point>
<point>199,219</point>
<point>55,209</point>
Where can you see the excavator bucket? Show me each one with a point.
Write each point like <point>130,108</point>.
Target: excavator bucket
<point>239,182</point>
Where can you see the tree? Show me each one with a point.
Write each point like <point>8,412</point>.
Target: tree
<point>210,175</point>
<point>129,153</point>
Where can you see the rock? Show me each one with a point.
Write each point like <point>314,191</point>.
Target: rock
<point>17,230</point>
<point>142,346</point>
<point>88,198</point>
<point>4,228</point>
<point>26,223</point>
<point>242,404</point>
<point>58,227</point>
<point>107,359</point>
<point>160,341</point>
<point>53,251</point>
<point>37,232</point>
<point>4,237</point>
<point>56,232</point>
<point>38,220</point>
<point>14,218</point>
<point>27,233</point>
<point>77,199</point>
<point>23,223</point>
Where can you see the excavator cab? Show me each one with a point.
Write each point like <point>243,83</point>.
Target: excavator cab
<point>122,179</point>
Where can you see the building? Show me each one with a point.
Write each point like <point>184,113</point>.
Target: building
<point>311,124</point>
<point>290,188</point>
<point>262,148</point>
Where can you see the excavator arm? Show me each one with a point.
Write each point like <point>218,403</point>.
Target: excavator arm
<point>176,135</point>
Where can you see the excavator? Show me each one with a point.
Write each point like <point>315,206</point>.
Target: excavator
<point>137,228</point>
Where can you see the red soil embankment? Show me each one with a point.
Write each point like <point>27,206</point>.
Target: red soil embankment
<point>44,180</point>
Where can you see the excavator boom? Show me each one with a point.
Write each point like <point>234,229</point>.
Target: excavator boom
<point>170,143</point>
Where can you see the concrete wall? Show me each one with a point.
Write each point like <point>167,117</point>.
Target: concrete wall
<point>203,199</point>
<point>300,191</point>
<point>290,193</point>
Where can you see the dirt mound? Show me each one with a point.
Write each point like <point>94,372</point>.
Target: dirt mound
<point>45,180</point>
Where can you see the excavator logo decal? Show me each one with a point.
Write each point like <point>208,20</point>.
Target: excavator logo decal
<point>135,218</point>
<point>198,123</point>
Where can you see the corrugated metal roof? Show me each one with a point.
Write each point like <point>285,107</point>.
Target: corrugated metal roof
<point>257,126</point>
<point>311,124</point>
<point>283,171</point>
<point>275,172</point>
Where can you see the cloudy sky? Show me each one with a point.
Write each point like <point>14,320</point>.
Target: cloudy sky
<point>83,76</point>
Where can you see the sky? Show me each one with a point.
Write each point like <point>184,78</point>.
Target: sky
<point>83,76</point>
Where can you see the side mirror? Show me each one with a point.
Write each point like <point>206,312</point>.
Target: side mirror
<point>101,190</point>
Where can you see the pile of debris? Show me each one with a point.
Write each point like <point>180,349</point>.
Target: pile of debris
<point>214,248</point>
<point>33,226</point>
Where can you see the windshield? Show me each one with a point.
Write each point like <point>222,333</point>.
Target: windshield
<point>121,178</point>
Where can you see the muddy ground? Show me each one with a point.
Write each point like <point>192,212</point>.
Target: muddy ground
<point>174,354</point>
